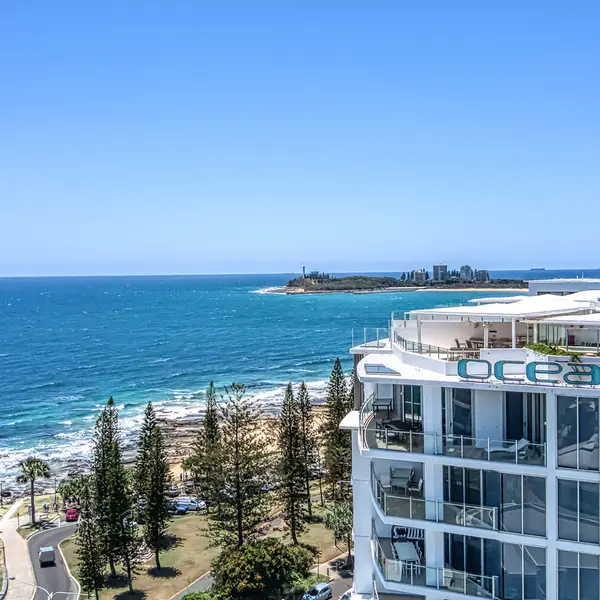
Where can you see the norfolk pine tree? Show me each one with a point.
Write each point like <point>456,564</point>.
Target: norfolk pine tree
<point>292,469</point>
<point>243,468</point>
<point>91,559</point>
<point>338,443</point>
<point>141,474</point>
<point>105,434</point>
<point>157,507</point>
<point>205,460</point>
<point>308,439</point>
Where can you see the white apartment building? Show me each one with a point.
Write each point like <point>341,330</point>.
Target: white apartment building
<point>476,460</point>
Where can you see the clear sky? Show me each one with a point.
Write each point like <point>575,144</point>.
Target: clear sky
<point>255,136</point>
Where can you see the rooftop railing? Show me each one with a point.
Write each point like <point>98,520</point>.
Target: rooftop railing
<point>371,337</point>
<point>451,513</point>
<point>449,354</point>
<point>379,434</point>
<point>439,578</point>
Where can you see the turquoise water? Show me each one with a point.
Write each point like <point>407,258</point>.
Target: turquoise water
<point>67,344</point>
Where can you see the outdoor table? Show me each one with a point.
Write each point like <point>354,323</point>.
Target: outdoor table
<point>383,403</point>
<point>406,553</point>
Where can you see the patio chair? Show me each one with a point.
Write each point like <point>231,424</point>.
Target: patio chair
<point>415,486</point>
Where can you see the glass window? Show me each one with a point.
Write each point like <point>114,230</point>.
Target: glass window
<point>462,412</point>
<point>567,431</point>
<point>589,573</point>
<point>579,511</point>
<point>534,571</point>
<point>511,509</point>
<point>578,433</point>
<point>567,576</point>
<point>588,434</point>
<point>567,510</point>
<point>578,576</point>
<point>589,507</point>
<point>512,568</point>
<point>534,505</point>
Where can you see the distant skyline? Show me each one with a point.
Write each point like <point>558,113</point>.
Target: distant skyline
<point>236,137</point>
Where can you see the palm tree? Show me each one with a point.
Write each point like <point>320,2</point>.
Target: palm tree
<point>31,469</point>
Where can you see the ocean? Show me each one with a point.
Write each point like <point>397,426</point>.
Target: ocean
<point>67,344</point>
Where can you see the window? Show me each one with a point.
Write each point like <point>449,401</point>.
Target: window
<point>578,576</point>
<point>577,432</point>
<point>579,511</point>
<point>411,395</point>
<point>458,409</point>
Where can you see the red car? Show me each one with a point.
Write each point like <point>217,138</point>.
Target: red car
<point>71,514</point>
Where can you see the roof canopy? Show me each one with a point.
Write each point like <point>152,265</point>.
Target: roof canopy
<point>589,320</point>
<point>530,308</point>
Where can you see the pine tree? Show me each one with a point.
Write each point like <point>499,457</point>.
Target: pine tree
<point>308,439</point>
<point>123,540</point>
<point>243,470</point>
<point>339,520</point>
<point>91,559</point>
<point>204,462</point>
<point>141,474</point>
<point>157,507</point>
<point>338,443</point>
<point>105,435</point>
<point>292,469</point>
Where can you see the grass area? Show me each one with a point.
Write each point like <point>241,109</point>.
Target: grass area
<point>190,557</point>
<point>39,504</point>
<point>27,530</point>
<point>187,559</point>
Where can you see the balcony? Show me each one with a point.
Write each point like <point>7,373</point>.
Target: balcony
<point>416,573</point>
<point>371,338</point>
<point>379,431</point>
<point>393,503</point>
<point>449,354</point>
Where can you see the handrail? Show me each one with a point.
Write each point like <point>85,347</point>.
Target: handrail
<point>439,511</point>
<point>440,578</point>
<point>439,352</point>
<point>457,446</point>
<point>370,337</point>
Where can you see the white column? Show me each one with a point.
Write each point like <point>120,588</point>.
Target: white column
<point>434,555</point>
<point>486,335</point>
<point>418,329</point>
<point>514,333</point>
<point>536,333</point>
<point>551,499</point>
<point>431,410</point>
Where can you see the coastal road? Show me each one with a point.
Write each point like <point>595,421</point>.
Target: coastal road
<point>53,578</point>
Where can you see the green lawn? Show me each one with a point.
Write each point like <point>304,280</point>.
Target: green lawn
<point>39,503</point>
<point>190,557</point>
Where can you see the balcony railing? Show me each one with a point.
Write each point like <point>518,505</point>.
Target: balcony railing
<point>377,434</point>
<point>371,337</point>
<point>451,513</point>
<point>449,354</point>
<point>439,578</point>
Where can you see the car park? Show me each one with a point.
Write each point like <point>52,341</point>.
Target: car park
<point>193,504</point>
<point>173,490</point>
<point>175,508</point>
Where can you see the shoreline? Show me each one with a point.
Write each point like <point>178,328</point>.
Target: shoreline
<point>286,291</point>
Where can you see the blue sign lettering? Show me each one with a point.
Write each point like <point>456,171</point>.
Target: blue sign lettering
<point>463,372</point>
<point>536,371</point>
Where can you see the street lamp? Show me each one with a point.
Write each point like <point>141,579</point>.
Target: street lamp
<point>51,595</point>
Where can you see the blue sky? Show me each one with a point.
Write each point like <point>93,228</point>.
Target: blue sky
<point>208,137</point>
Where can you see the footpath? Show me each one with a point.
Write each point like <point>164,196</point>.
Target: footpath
<point>16,557</point>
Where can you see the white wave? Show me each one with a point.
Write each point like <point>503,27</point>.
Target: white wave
<point>278,290</point>
<point>65,423</point>
<point>160,360</point>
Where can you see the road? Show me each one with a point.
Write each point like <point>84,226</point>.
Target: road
<point>52,578</point>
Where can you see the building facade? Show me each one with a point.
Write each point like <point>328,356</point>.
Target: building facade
<point>420,276</point>
<point>466,273</point>
<point>476,460</point>
<point>481,275</point>
<point>440,272</point>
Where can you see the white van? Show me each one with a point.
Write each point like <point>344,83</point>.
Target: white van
<point>47,556</point>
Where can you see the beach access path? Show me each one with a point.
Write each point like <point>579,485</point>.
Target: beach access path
<point>18,563</point>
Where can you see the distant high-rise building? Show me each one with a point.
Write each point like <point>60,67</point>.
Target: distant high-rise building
<point>440,272</point>
<point>481,275</point>
<point>466,273</point>
<point>420,276</point>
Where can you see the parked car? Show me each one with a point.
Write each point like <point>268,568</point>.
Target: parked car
<point>194,504</point>
<point>173,490</point>
<point>175,508</point>
<point>47,556</point>
<point>71,515</point>
<point>321,591</point>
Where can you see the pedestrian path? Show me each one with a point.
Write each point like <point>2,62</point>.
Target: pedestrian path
<point>16,556</point>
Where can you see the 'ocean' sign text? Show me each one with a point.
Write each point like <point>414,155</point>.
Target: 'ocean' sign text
<point>536,372</point>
